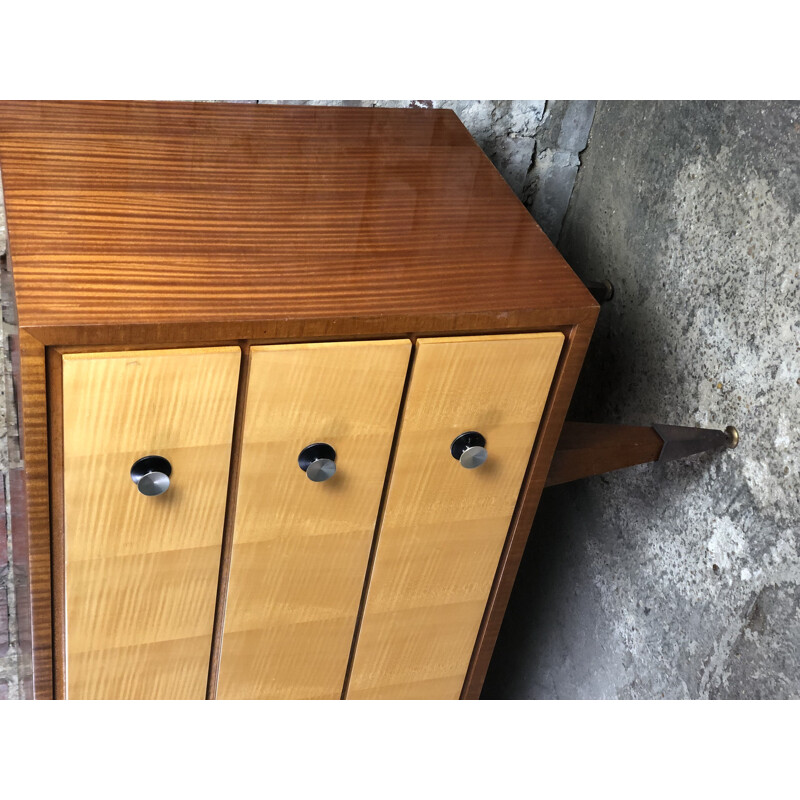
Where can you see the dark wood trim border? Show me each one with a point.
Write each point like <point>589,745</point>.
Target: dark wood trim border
<point>96,338</point>
<point>55,420</point>
<point>34,508</point>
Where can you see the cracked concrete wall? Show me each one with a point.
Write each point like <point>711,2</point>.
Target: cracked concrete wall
<point>3,230</point>
<point>678,580</point>
<point>10,684</point>
<point>561,139</point>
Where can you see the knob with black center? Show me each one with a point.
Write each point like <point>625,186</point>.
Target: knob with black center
<point>318,461</point>
<point>469,449</point>
<point>151,475</point>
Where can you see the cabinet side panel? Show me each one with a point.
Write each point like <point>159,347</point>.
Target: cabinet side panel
<point>444,526</point>
<point>300,549</point>
<point>30,522</point>
<point>141,572</point>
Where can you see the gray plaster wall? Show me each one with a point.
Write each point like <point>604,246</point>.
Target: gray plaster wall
<point>677,580</point>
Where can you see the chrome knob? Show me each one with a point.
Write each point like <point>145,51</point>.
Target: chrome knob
<point>151,475</point>
<point>469,449</point>
<point>318,461</point>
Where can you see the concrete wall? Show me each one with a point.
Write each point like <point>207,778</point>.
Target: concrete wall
<point>679,580</point>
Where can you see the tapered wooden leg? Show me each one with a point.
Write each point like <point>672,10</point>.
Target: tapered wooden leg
<point>586,449</point>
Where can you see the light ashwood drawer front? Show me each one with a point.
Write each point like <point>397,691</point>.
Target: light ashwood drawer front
<point>444,526</point>
<point>141,571</point>
<point>301,548</point>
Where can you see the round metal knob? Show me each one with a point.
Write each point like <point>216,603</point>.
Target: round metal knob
<point>318,461</point>
<point>151,475</point>
<point>469,449</point>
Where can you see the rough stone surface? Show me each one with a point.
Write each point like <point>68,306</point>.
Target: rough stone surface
<point>9,677</point>
<point>679,580</point>
<point>505,130</point>
<point>3,230</point>
<point>560,140</point>
<point>11,681</point>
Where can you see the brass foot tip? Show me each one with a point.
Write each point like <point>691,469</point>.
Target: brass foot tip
<point>732,435</point>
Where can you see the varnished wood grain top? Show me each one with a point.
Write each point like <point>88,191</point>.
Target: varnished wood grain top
<point>153,221</point>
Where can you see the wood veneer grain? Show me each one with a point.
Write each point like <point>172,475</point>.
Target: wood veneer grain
<point>300,549</point>
<point>35,516</point>
<point>444,527</point>
<point>141,572</point>
<point>134,218</point>
<point>198,334</point>
<point>586,449</point>
<point>552,420</point>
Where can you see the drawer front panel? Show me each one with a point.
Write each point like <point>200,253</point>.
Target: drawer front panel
<point>444,526</point>
<point>300,547</point>
<point>141,571</point>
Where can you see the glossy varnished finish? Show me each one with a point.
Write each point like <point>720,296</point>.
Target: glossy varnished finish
<point>156,220</point>
<point>141,572</point>
<point>443,526</point>
<point>159,225</point>
<point>300,549</point>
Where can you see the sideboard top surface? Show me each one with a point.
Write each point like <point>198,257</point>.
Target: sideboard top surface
<point>161,215</point>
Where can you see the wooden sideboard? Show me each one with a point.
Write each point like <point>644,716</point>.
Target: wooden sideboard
<point>290,380</point>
